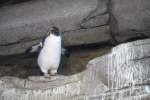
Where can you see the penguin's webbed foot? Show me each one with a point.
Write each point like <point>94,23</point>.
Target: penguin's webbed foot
<point>53,72</point>
<point>47,76</point>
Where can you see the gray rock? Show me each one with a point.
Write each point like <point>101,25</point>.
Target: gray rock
<point>17,89</point>
<point>87,36</point>
<point>39,88</point>
<point>92,83</point>
<point>17,48</point>
<point>77,37</point>
<point>100,67</point>
<point>101,9</point>
<point>130,17</point>
<point>123,74</point>
<point>31,20</point>
<point>95,21</point>
<point>126,65</point>
<point>132,93</point>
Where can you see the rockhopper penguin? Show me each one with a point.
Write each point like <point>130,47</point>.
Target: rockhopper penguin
<point>49,56</point>
<point>49,52</point>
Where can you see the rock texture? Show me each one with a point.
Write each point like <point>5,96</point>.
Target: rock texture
<point>37,88</point>
<point>85,36</point>
<point>27,22</point>
<point>81,22</point>
<point>127,64</point>
<point>123,74</point>
<point>130,18</point>
<point>125,71</point>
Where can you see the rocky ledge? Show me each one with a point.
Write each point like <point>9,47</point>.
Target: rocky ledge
<point>122,74</point>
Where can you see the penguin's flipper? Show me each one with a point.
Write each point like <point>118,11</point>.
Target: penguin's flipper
<point>34,49</point>
<point>65,52</point>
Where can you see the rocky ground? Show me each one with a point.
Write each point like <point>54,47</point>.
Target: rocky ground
<point>119,74</point>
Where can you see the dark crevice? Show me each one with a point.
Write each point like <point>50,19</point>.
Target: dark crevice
<point>91,27</point>
<point>135,38</point>
<point>93,17</point>
<point>71,48</point>
<point>112,27</point>
<point>71,30</point>
<point>11,2</point>
<point>81,28</point>
<point>24,40</point>
<point>140,59</point>
<point>140,33</point>
<point>90,46</point>
<point>112,34</point>
<point>20,41</point>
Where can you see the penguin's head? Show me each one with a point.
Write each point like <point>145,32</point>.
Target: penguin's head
<point>54,30</point>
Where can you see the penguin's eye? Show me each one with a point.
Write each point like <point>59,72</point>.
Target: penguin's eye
<point>56,32</point>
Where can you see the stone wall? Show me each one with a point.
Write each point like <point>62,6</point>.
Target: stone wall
<point>81,22</point>
<point>24,24</point>
<point>129,18</point>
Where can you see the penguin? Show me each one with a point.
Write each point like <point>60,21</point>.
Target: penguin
<point>49,52</point>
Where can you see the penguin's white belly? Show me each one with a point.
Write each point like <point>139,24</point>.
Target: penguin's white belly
<point>49,57</point>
